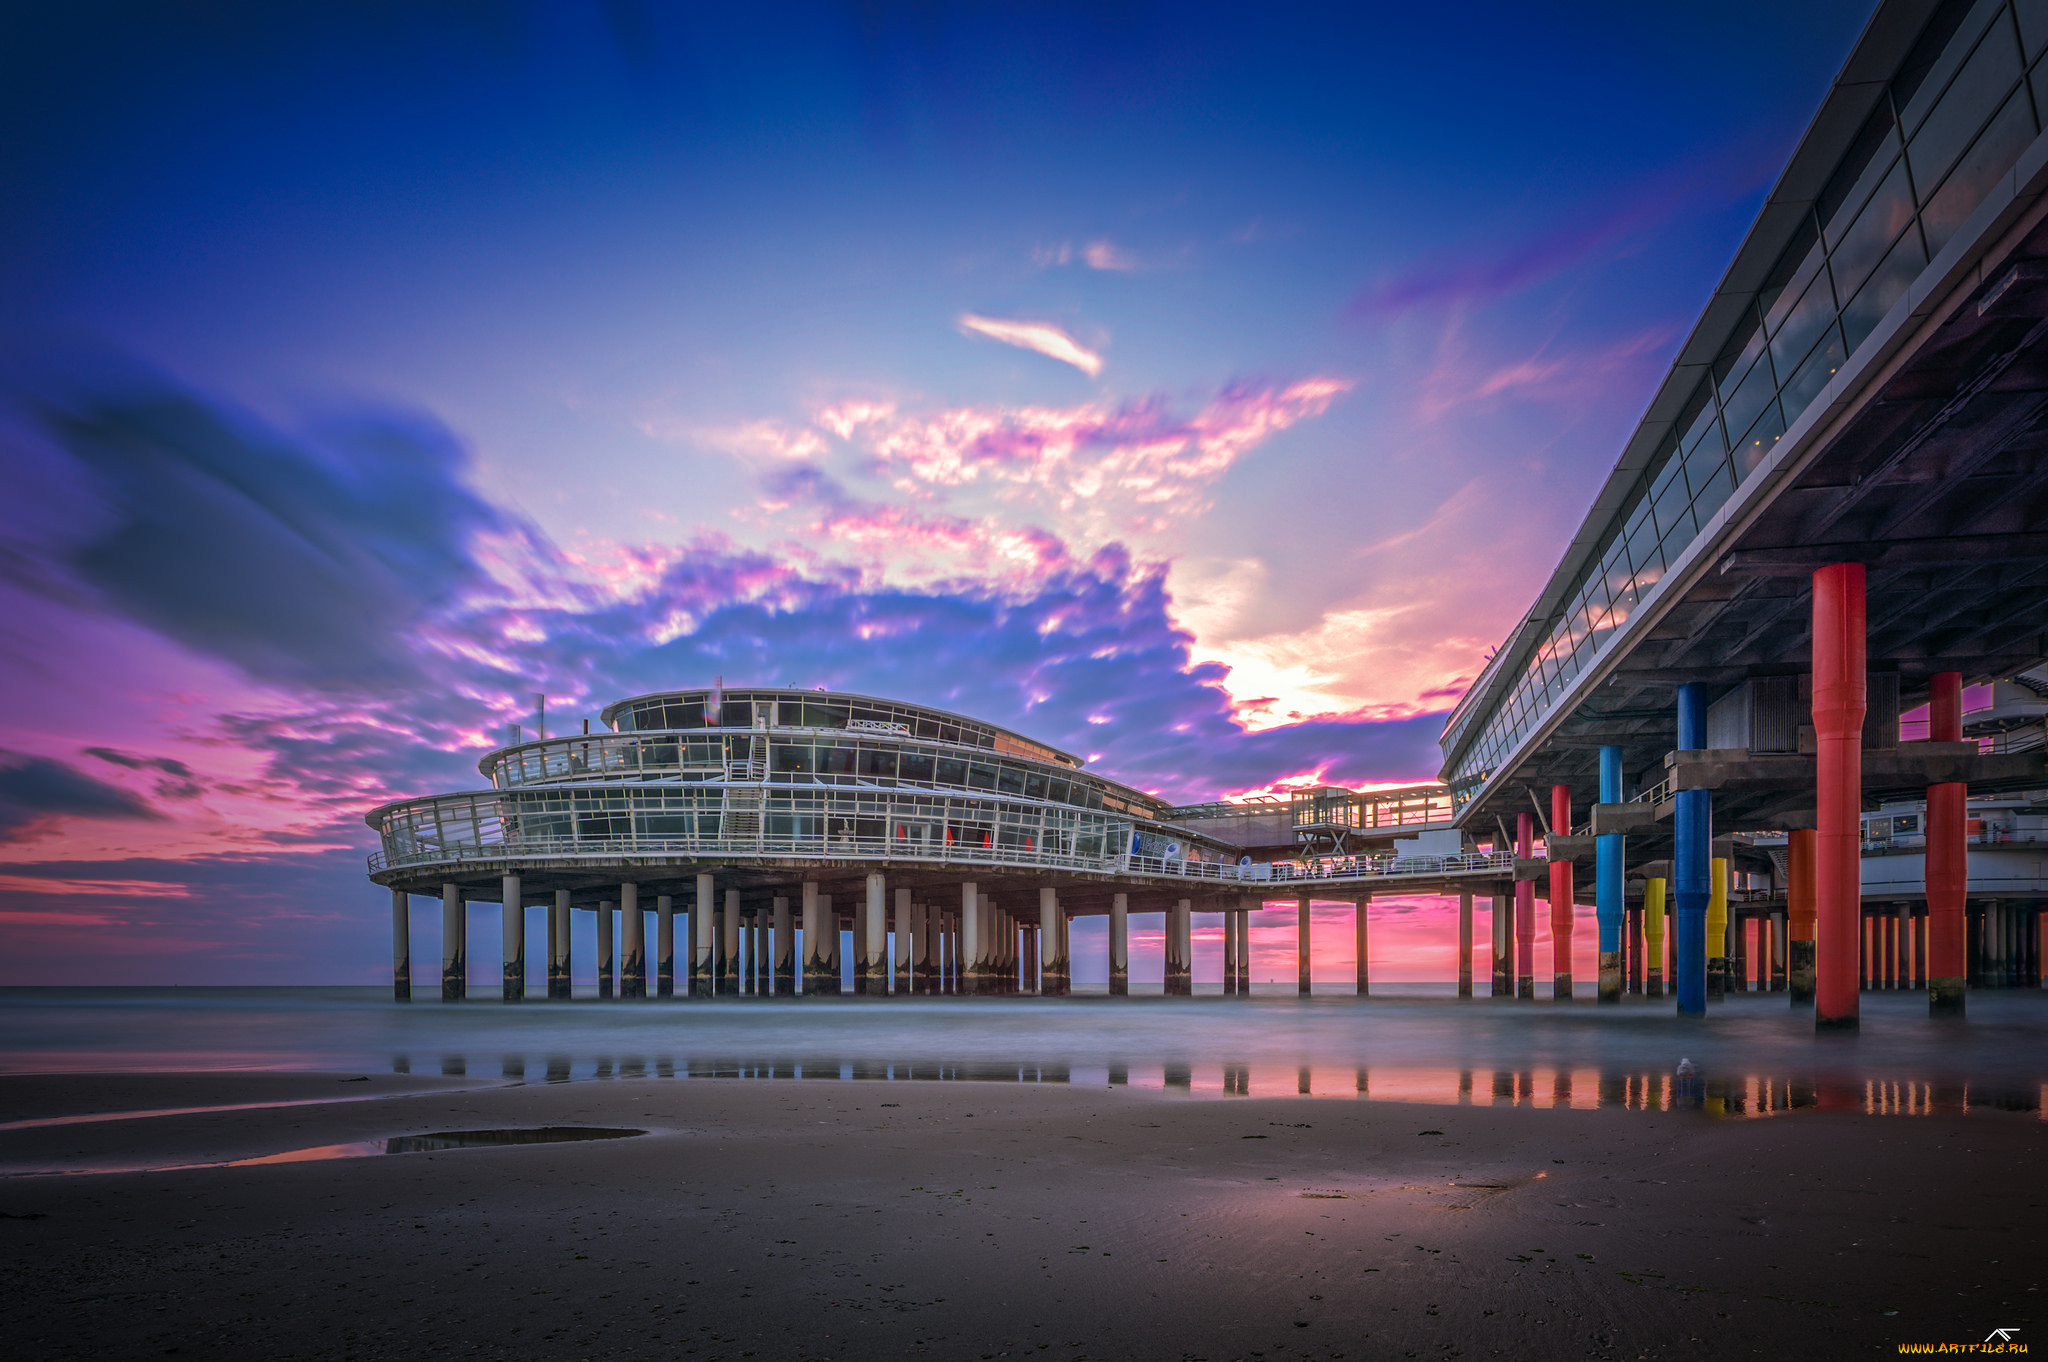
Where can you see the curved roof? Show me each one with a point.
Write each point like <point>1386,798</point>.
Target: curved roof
<point>749,693</point>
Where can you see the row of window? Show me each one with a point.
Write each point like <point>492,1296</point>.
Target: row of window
<point>826,760</point>
<point>1953,121</point>
<point>741,709</point>
<point>682,813</point>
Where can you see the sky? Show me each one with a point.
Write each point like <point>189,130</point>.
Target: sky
<point>1203,389</point>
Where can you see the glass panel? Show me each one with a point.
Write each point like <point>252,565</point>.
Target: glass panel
<point>1949,38</point>
<point>981,776</point>
<point>1708,420</point>
<point>1707,471</point>
<point>836,761</point>
<point>1811,378</point>
<point>1734,363</point>
<point>1758,387</point>
<point>1886,287</point>
<point>1988,158</point>
<point>1804,321</point>
<point>2033,17</point>
<point>917,766</point>
<point>1668,496</point>
<point>1009,780</point>
<point>1883,149</point>
<point>1756,445</point>
<point>1888,213</point>
<point>1779,299</point>
<point>1677,537</point>
<point>1977,89</point>
<point>878,762</point>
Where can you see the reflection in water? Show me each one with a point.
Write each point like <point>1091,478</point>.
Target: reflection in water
<point>362,1149</point>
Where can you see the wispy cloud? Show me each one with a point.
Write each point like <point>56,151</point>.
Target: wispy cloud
<point>1105,255</point>
<point>1044,337</point>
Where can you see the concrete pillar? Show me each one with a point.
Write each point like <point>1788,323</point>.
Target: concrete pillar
<point>1840,694</point>
<point>633,928</point>
<point>559,975</point>
<point>729,944</point>
<point>1800,910</point>
<point>906,936</point>
<point>1301,945</point>
<point>1361,916</point>
<point>875,964</point>
<point>781,956</point>
<point>1244,949</point>
<point>1562,892</point>
<point>454,945</point>
<point>1056,970</point>
<point>830,920</point>
<point>814,939</point>
<point>1778,952</point>
<point>1230,955</point>
<point>1525,910</point>
<point>1948,857</point>
<point>703,944</point>
<point>970,958</point>
<point>1717,929</point>
<point>1902,932</point>
<point>925,950</point>
<point>1464,943</point>
<point>1653,937</point>
<point>512,927</point>
<point>1503,956</point>
<point>1179,949</point>
<point>1610,905</point>
<point>1692,835</point>
<point>1119,945</point>
<point>664,946</point>
<point>607,962</point>
<point>1632,951</point>
<point>401,946</point>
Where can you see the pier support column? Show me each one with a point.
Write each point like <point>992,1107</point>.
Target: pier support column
<point>1119,945</point>
<point>906,940</point>
<point>1562,892</point>
<point>782,952</point>
<point>925,961</point>
<point>664,946</point>
<point>559,957</point>
<point>875,968</point>
<point>729,944</point>
<point>969,966</point>
<point>814,928</point>
<point>401,946</point>
<point>1717,930</point>
<point>454,945</point>
<point>1610,903</point>
<point>1361,919</point>
<point>1800,909</point>
<point>1502,929</point>
<point>1230,954</point>
<point>1302,943</point>
<point>1948,857</point>
<point>1464,943</point>
<point>1692,836</point>
<point>512,936</point>
<point>1632,951</point>
<point>1244,947</point>
<point>1840,698</point>
<point>1054,975</point>
<point>702,949</point>
<point>1653,937</point>
<point>633,946</point>
<point>607,960</point>
<point>1179,949</point>
<point>1525,911</point>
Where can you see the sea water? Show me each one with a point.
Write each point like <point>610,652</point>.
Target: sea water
<point>1752,1055</point>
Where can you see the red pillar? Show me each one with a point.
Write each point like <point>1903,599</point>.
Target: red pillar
<point>1799,916</point>
<point>1525,910</point>
<point>1948,856</point>
<point>1561,898</point>
<point>1840,690</point>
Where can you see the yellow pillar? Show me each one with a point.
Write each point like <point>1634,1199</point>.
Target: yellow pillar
<point>1653,937</point>
<point>1717,930</point>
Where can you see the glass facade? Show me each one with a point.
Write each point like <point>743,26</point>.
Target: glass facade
<point>845,778</point>
<point>1967,101</point>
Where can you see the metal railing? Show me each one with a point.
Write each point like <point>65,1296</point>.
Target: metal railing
<point>764,847</point>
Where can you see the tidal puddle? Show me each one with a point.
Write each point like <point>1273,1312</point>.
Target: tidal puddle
<point>359,1149</point>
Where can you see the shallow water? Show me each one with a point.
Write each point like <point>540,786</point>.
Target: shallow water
<point>1753,1054</point>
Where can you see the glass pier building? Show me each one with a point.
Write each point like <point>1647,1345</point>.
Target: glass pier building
<point>759,812</point>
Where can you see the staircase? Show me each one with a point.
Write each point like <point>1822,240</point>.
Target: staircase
<point>746,774</point>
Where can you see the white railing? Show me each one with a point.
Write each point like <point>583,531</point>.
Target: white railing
<point>892,849</point>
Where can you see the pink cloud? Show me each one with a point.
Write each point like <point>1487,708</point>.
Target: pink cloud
<point>1043,337</point>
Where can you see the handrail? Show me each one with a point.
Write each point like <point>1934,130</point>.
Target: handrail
<point>893,849</point>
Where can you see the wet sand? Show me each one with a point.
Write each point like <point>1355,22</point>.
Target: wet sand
<point>795,1219</point>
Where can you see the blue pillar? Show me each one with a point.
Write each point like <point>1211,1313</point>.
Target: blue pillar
<point>1692,836</point>
<point>1608,907</point>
